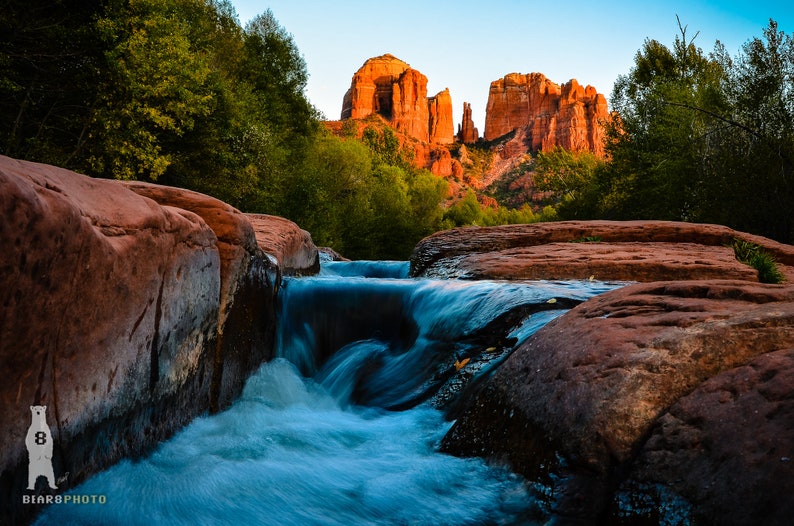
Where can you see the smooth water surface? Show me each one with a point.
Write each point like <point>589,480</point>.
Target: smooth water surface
<point>314,438</point>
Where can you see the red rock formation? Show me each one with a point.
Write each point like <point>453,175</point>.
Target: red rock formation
<point>389,87</point>
<point>467,133</point>
<point>695,376</point>
<point>567,116</point>
<point>628,250</point>
<point>129,308</point>
<point>410,114</point>
<point>372,87</point>
<point>442,129</point>
<point>674,394</point>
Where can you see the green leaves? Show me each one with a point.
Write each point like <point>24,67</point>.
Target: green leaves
<point>705,138</point>
<point>156,89</point>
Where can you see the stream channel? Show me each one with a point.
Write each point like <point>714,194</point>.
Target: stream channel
<point>343,426</point>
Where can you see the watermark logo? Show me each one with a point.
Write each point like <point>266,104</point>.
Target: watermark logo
<point>39,444</point>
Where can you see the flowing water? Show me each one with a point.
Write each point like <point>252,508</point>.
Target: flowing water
<point>343,426</point>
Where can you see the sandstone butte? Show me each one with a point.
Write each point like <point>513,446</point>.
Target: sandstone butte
<point>569,116</point>
<point>128,309</point>
<point>538,113</point>
<point>667,401</point>
<point>387,87</point>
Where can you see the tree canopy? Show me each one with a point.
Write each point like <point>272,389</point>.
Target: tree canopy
<point>177,92</point>
<point>700,137</point>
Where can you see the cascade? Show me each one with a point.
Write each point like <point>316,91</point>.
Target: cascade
<point>343,426</point>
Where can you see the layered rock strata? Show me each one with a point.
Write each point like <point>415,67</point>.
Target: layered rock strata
<point>389,87</point>
<point>441,127</point>
<point>126,308</point>
<point>605,250</point>
<point>569,116</point>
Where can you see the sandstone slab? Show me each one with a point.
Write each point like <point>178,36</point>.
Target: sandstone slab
<point>632,382</point>
<point>606,250</point>
<point>127,308</point>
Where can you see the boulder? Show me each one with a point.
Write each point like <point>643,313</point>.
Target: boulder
<point>604,250</point>
<point>674,391</point>
<point>726,446</point>
<point>249,281</point>
<point>290,245</point>
<point>126,308</point>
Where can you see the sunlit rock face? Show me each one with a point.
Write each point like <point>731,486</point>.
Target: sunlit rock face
<point>569,116</point>
<point>467,133</point>
<point>389,87</point>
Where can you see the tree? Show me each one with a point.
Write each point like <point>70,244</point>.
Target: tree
<point>707,139</point>
<point>570,177</point>
<point>155,88</point>
<point>655,144</point>
<point>50,58</point>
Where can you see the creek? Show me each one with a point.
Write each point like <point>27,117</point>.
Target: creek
<point>343,425</point>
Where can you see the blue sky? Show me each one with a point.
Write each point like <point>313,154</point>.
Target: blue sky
<point>463,45</point>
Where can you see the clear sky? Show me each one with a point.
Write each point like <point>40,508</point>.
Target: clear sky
<point>463,45</point>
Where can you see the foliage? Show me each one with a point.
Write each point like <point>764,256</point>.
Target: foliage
<point>50,57</point>
<point>761,260</point>
<point>569,176</point>
<point>469,211</point>
<point>704,138</point>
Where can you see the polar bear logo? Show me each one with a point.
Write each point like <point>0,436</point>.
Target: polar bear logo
<point>39,444</point>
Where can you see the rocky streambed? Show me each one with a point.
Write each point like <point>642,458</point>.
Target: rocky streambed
<point>129,309</point>
<point>670,401</point>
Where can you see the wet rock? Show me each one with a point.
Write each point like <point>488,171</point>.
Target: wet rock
<point>606,250</point>
<point>645,369</point>
<point>288,243</point>
<point>127,308</point>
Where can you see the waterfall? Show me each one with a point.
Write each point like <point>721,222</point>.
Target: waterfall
<point>343,426</point>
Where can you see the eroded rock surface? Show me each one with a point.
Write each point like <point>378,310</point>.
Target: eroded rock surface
<point>389,87</point>
<point>287,242</point>
<point>655,401</point>
<point>605,250</point>
<point>569,116</point>
<point>127,308</point>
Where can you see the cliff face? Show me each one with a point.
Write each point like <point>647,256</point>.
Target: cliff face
<point>442,129</point>
<point>566,116</point>
<point>389,87</point>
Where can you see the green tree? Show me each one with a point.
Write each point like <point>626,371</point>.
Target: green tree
<point>50,59</point>
<point>155,90</point>
<point>707,139</point>
<point>656,143</point>
<point>570,177</point>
